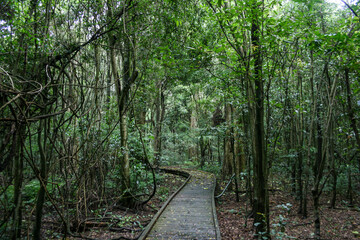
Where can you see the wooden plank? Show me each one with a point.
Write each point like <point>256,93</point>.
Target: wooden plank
<point>190,213</point>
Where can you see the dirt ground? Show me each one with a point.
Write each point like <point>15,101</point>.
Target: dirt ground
<point>340,223</point>
<point>115,222</point>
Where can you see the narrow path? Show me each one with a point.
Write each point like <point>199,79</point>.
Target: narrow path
<point>189,213</point>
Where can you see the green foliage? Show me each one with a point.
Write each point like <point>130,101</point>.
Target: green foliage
<point>343,179</point>
<point>278,230</point>
<point>163,192</point>
<point>212,167</point>
<point>30,191</point>
<point>6,197</point>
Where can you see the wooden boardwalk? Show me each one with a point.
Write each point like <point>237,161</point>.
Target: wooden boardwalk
<point>189,213</point>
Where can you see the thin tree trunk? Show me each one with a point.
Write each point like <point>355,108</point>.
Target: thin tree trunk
<point>125,162</point>
<point>349,189</point>
<point>300,134</point>
<point>218,149</point>
<point>309,153</point>
<point>261,197</point>
<point>239,157</point>
<point>42,180</point>
<point>318,176</point>
<point>323,154</point>
<point>351,114</point>
<point>97,78</point>
<point>333,168</point>
<point>160,113</point>
<point>193,126</point>
<point>18,181</point>
<point>227,167</point>
<point>203,147</point>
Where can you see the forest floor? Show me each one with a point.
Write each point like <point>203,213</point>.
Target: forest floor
<point>114,222</point>
<point>340,223</point>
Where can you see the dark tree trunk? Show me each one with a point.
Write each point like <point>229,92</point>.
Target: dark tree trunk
<point>300,134</point>
<point>159,118</point>
<point>18,181</point>
<point>42,181</point>
<point>351,114</point>
<point>261,197</point>
<point>227,167</point>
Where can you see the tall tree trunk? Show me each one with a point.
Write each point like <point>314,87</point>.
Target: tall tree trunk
<point>318,174</point>
<point>239,155</point>
<point>227,167</point>
<point>124,92</point>
<point>261,196</point>
<point>351,114</point>
<point>97,79</point>
<point>159,118</point>
<point>218,149</point>
<point>42,180</point>
<point>203,146</point>
<point>333,168</point>
<point>349,189</point>
<point>193,126</point>
<point>300,139</point>
<point>310,138</point>
<point>324,135</point>
<point>18,181</point>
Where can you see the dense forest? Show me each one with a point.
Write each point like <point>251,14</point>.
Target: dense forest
<point>95,95</point>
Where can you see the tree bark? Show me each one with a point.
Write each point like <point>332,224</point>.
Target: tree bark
<point>159,118</point>
<point>351,114</point>
<point>18,181</point>
<point>261,196</point>
<point>227,167</point>
<point>324,136</point>
<point>193,126</point>
<point>42,181</point>
<point>300,139</point>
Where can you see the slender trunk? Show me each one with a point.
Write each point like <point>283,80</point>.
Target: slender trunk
<point>248,130</point>
<point>97,77</point>
<point>310,138</point>
<point>316,197</point>
<point>350,190</point>
<point>42,180</point>
<point>324,136</point>
<point>124,92</point>
<point>318,176</point>
<point>218,149</point>
<point>110,75</point>
<point>351,114</point>
<point>331,153</point>
<point>241,147</point>
<point>333,197</point>
<point>293,162</point>
<point>193,126</point>
<point>160,112</point>
<point>300,134</point>
<point>261,197</point>
<point>333,173</point>
<point>238,154</point>
<point>227,167</point>
<point>18,181</point>
<point>203,146</point>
